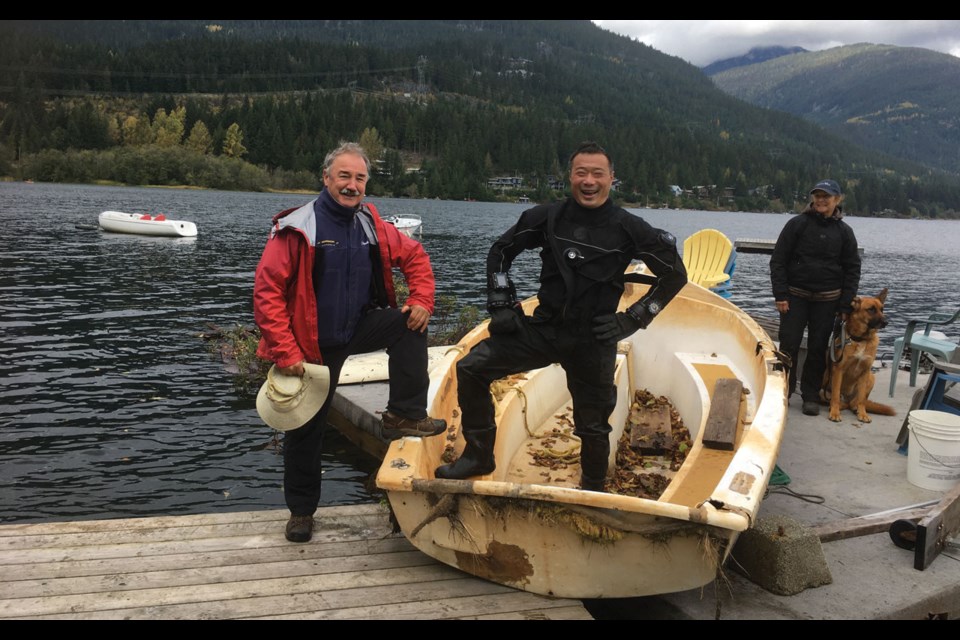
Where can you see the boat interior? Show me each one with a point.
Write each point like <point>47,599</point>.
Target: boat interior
<point>681,364</point>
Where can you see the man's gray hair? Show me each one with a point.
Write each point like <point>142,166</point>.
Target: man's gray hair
<point>346,147</point>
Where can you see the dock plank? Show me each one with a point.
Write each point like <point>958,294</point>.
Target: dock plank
<point>368,603</point>
<point>46,587</point>
<point>239,566</point>
<point>762,245</point>
<point>47,570</point>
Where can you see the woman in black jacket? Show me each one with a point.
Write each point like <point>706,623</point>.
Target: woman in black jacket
<point>815,272</point>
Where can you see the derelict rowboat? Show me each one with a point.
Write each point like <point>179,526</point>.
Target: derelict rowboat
<point>671,519</point>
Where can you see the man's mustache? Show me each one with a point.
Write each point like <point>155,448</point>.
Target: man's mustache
<point>347,191</point>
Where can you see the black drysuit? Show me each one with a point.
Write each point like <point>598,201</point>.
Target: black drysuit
<point>595,246</point>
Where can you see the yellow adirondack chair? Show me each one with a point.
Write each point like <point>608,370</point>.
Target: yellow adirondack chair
<point>706,255</point>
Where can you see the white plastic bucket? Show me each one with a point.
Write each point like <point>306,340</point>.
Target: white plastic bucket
<point>933,457</point>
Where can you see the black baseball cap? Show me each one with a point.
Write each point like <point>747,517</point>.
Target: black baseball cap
<point>830,186</point>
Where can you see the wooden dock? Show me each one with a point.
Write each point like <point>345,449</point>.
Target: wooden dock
<point>759,245</point>
<point>754,245</point>
<point>240,566</point>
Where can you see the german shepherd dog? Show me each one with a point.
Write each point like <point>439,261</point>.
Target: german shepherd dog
<point>848,379</point>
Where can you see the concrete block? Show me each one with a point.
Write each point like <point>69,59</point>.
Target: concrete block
<point>780,555</point>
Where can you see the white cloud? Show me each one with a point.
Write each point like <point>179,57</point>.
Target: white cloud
<point>702,42</point>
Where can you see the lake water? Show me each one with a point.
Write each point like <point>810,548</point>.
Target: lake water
<point>112,406</point>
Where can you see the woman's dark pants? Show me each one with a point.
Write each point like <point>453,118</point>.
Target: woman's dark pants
<point>817,318</point>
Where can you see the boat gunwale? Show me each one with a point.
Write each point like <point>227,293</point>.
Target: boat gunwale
<point>727,520</point>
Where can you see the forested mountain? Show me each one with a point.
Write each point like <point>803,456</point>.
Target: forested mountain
<point>903,101</point>
<point>754,56</point>
<point>444,105</point>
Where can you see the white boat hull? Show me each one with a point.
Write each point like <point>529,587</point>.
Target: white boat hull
<point>531,528</point>
<point>119,222</point>
<point>408,224</point>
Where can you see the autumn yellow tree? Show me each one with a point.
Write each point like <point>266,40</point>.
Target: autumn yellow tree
<point>168,128</point>
<point>233,142</point>
<point>199,139</point>
<point>136,132</point>
<point>371,143</point>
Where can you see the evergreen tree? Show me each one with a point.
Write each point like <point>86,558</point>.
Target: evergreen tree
<point>23,119</point>
<point>87,128</point>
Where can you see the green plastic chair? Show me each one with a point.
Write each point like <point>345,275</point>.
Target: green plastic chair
<point>921,341</point>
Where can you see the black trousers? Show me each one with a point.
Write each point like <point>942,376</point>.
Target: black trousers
<point>409,383</point>
<point>817,319</point>
<point>588,364</point>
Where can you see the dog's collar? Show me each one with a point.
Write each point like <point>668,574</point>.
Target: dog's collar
<point>836,345</point>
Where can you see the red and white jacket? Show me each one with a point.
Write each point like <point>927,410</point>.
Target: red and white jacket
<point>284,302</point>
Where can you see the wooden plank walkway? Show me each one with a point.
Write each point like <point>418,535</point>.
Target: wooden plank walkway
<point>760,245</point>
<point>240,566</point>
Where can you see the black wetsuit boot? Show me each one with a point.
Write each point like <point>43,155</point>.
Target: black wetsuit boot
<point>594,459</point>
<point>477,458</point>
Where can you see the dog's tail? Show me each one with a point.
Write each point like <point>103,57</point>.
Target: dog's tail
<point>880,409</point>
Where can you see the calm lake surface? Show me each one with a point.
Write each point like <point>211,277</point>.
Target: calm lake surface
<point>111,404</point>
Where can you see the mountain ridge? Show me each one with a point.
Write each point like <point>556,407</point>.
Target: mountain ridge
<point>755,55</point>
<point>901,100</point>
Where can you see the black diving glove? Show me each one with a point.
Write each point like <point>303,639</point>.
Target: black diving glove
<point>504,320</point>
<point>505,312</point>
<point>614,327</point>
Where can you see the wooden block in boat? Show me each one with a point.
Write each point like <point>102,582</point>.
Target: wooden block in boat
<point>720,431</point>
<point>650,430</point>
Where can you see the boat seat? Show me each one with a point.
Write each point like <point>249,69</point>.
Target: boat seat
<point>922,341</point>
<point>145,216</point>
<point>160,217</point>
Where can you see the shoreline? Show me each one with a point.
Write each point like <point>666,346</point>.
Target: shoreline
<point>625,205</point>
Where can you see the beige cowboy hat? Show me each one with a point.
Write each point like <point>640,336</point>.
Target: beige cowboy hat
<point>289,402</point>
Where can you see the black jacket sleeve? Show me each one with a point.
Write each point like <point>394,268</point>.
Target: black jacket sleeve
<point>782,252</point>
<point>527,233</point>
<point>658,250</point>
<point>850,262</point>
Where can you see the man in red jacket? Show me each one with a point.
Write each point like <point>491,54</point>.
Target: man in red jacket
<point>323,290</point>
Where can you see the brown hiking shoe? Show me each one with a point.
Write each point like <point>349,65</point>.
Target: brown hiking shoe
<point>395,427</point>
<point>300,528</point>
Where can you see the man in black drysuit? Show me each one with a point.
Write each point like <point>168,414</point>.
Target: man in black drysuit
<point>586,244</point>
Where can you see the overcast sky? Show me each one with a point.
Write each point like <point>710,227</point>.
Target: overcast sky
<point>702,42</point>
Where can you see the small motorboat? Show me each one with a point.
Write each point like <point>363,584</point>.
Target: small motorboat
<point>409,224</point>
<point>146,225</point>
